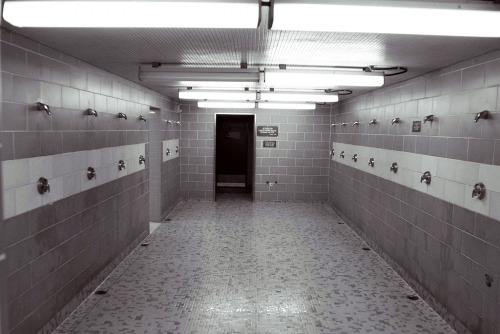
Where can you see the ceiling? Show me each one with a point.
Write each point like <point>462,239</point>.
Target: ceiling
<point>121,51</point>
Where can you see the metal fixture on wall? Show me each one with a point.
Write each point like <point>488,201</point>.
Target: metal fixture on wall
<point>91,173</point>
<point>429,118</point>
<point>43,186</point>
<point>142,160</point>
<point>355,123</point>
<point>92,112</point>
<point>394,167</point>
<point>121,165</point>
<point>355,158</point>
<point>371,163</point>
<point>177,149</point>
<point>43,107</point>
<point>373,121</point>
<point>483,114</point>
<point>395,120</point>
<point>142,118</point>
<point>178,123</point>
<point>122,115</point>
<point>479,191</point>
<point>342,154</point>
<point>332,152</point>
<point>169,121</point>
<point>343,124</point>
<point>426,178</point>
<point>168,151</point>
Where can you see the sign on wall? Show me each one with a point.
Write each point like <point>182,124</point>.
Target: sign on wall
<point>267,131</point>
<point>269,143</point>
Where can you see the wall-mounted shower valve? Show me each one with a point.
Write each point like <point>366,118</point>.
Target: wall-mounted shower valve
<point>355,158</point>
<point>43,186</point>
<point>426,178</point>
<point>373,121</point>
<point>142,160</point>
<point>332,152</point>
<point>91,173</point>
<point>142,118</point>
<point>342,154</point>
<point>355,123</point>
<point>371,163</point>
<point>92,112</point>
<point>343,124</point>
<point>395,120</point>
<point>177,149</point>
<point>122,115</point>
<point>168,151</point>
<point>394,167</point>
<point>479,191</point>
<point>121,165</point>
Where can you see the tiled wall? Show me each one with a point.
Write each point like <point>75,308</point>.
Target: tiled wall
<point>164,173</point>
<point>59,249</point>
<point>299,162</point>
<point>437,235</point>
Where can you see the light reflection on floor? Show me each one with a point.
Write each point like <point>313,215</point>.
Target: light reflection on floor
<point>240,267</point>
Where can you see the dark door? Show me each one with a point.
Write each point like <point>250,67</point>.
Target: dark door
<point>234,153</point>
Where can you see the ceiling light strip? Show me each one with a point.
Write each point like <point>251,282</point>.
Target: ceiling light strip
<point>133,14</point>
<point>226,95</point>
<point>388,17</point>
<point>255,105</point>
<point>321,79</point>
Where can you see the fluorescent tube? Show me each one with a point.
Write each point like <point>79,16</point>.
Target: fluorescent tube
<point>221,95</point>
<point>226,104</point>
<point>389,17</point>
<point>283,105</point>
<point>161,76</point>
<point>298,97</point>
<point>321,79</point>
<point>133,14</point>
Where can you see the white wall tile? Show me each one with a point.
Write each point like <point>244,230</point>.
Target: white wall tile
<point>40,167</point>
<point>454,192</point>
<point>9,202</point>
<point>27,198</point>
<point>71,185</point>
<point>15,173</point>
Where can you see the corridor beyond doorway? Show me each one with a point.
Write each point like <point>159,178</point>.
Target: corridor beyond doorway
<point>235,266</point>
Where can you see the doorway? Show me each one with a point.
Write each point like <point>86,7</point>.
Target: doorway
<point>234,154</point>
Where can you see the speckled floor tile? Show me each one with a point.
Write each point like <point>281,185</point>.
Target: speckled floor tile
<point>240,267</point>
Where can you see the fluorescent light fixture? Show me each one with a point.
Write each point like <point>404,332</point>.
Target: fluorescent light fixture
<point>133,14</point>
<point>388,17</point>
<point>225,76</point>
<point>220,95</point>
<point>299,97</point>
<point>226,104</point>
<point>283,105</point>
<point>321,79</point>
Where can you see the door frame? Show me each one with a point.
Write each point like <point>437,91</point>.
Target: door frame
<point>254,149</point>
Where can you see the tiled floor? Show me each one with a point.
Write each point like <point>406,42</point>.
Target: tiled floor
<point>240,267</point>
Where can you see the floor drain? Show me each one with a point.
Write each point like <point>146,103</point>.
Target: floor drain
<point>145,244</point>
<point>366,248</point>
<point>341,223</point>
<point>100,292</point>
<point>168,219</point>
<point>412,297</point>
